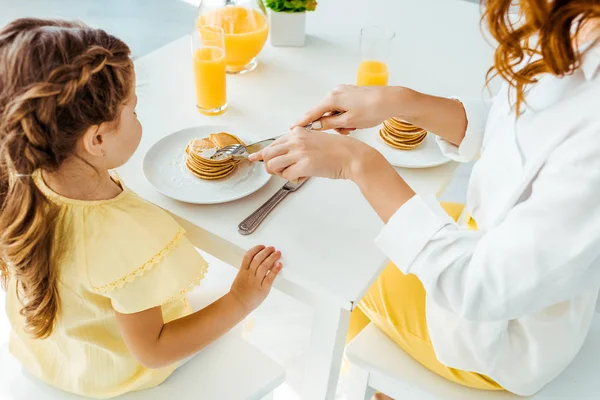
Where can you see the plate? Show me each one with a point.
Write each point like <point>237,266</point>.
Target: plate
<point>164,168</point>
<point>427,155</point>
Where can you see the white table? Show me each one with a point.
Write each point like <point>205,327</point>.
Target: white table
<point>326,229</point>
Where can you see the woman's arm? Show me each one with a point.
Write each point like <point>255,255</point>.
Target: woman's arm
<point>156,344</point>
<point>380,183</point>
<point>541,254</point>
<point>444,117</point>
<point>368,106</point>
<point>545,251</point>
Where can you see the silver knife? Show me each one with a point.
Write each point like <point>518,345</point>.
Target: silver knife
<point>244,151</point>
<point>249,225</point>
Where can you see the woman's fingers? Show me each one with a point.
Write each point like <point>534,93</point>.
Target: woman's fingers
<point>269,152</point>
<point>330,105</point>
<point>260,258</point>
<point>249,256</point>
<point>345,131</point>
<point>314,114</point>
<point>338,121</point>
<point>276,165</point>
<point>258,156</point>
<point>294,172</point>
<point>275,150</point>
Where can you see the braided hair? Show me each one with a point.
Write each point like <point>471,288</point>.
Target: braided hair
<point>57,80</point>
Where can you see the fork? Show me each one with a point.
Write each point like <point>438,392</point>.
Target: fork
<point>234,150</point>
<point>240,150</point>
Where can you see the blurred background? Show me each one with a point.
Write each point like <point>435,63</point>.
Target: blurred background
<point>143,24</point>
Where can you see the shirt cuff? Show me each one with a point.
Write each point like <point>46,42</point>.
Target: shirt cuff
<point>410,229</point>
<point>470,146</point>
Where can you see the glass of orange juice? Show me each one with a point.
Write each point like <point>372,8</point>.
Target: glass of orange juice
<point>208,55</point>
<point>375,42</point>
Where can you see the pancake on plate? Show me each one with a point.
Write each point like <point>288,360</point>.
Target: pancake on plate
<point>402,135</point>
<point>200,151</point>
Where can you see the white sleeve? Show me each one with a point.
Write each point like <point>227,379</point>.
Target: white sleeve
<point>477,112</point>
<point>540,255</point>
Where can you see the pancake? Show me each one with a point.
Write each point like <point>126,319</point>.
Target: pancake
<point>211,175</point>
<point>199,153</point>
<point>223,139</point>
<point>201,144</point>
<point>402,126</point>
<point>402,135</point>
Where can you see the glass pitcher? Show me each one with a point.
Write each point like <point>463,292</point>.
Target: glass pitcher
<point>246,29</point>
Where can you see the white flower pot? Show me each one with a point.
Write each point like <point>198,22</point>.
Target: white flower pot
<point>287,29</point>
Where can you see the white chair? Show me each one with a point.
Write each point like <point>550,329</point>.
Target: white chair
<point>378,364</point>
<point>229,369</point>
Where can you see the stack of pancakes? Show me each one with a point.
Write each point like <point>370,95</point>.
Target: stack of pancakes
<point>401,135</point>
<point>200,151</point>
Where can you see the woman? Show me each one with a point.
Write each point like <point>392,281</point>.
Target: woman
<point>509,305</point>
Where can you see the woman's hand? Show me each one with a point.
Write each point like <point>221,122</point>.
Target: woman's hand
<point>361,107</point>
<point>255,278</point>
<point>305,153</point>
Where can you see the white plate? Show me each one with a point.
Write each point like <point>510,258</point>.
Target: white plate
<point>428,154</point>
<point>164,167</point>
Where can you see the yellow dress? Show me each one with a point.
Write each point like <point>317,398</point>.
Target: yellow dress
<point>121,254</point>
<point>396,305</point>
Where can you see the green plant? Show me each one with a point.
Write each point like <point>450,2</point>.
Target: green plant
<point>291,5</point>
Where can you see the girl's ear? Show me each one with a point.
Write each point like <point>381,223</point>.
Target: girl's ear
<point>93,141</point>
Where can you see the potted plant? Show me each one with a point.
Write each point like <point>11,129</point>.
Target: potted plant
<point>288,21</point>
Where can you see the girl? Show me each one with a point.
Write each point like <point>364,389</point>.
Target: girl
<point>509,305</point>
<point>96,276</point>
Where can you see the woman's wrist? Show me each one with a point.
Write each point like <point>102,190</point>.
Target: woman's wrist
<point>439,115</point>
<point>365,161</point>
<point>400,102</point>
<point>380,183</point>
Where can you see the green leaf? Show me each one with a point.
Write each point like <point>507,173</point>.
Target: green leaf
<point>291,5</point>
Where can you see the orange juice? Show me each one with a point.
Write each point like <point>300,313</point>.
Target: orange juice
<point>246,32</point>
<point>209,72</point>
<point>372,73</point>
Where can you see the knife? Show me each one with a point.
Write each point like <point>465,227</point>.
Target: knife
<point>249,225</point>
<point>244,151</point>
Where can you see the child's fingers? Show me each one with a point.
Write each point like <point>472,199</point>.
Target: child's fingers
<point>260,257</point>
<point>270,278</point>
<point>268,264</point>
<point>249,256</point>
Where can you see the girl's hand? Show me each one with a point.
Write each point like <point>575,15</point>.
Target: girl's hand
<point>253,282</point>
<point>305,153</point>
<point>361,107</point>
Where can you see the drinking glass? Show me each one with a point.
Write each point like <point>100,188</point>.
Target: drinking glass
<point>208,55</point>
<point>375,43</point>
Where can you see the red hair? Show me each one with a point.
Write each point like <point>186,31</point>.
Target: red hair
<point>553,25</point>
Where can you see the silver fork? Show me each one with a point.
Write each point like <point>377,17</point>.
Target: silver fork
<point>235,150</point>
<point>241,150</point>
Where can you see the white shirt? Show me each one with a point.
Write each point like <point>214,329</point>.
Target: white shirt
<point>515,300</point>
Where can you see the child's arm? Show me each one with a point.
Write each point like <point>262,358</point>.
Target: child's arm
<point>156,344</point>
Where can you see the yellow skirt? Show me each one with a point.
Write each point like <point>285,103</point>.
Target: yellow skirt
<point>396,305</point>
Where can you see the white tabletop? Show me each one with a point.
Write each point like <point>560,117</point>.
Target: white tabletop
<point>326,230</point>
